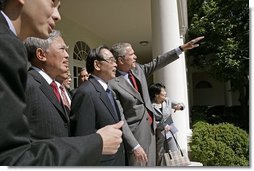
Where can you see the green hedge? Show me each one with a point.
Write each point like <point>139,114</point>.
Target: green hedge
<point>219,145</point>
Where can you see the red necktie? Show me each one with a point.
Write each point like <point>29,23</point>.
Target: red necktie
<point>134,83</point>
<point>64,97</point>
<point>55,89</point>
<point>133,80</point>
<point>150,118</point>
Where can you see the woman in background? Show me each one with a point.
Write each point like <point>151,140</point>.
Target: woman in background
<point>163,107</point>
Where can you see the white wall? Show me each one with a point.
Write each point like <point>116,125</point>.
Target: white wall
<point>73,32</point>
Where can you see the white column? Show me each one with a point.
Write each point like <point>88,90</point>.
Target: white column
<point>165,37</point>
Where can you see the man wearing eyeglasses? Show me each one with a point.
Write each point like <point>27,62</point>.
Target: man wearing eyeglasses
<point>93,104</point>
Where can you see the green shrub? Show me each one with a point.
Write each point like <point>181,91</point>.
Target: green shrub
<point>219,145</point>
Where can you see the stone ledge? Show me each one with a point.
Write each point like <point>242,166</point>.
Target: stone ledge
<point>195,164</point>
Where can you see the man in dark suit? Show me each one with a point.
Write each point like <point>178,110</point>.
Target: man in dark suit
<point>130,86</point>
<point>47,115</point>
<point>92,107</point>
<point>19,20</point>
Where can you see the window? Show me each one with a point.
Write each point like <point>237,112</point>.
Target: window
<point>203,84</point>
<point>80,53</point>
<point>81,50</point>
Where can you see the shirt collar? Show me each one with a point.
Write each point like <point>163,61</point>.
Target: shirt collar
<point>11,26</point>
<point>125,75</point>
<point>44,75</point>
<point>102,83</point>
<point>58,84</point>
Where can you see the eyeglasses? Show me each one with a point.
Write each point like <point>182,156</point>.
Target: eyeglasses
<point>110,60</point>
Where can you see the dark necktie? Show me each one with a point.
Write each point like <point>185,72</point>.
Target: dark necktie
<point>133,80</point>
<point>55,89</point>
<point>110,96</point>
<point>64,97</point>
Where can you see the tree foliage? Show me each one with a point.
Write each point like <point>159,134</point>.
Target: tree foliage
<point>225,49</point>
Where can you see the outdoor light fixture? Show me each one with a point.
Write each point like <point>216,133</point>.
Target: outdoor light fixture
<point>143,43</point>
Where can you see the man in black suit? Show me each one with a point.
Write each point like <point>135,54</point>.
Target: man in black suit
<point>93,105</point>
<point>47,115</point>
<point>19,20</point>
<point>45,111</point>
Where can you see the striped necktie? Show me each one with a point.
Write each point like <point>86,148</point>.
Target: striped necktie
<point>64,97</point>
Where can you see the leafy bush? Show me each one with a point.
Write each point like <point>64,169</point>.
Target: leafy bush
<point>219,145</point>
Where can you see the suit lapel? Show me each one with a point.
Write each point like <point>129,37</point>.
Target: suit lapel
<point>3,20</point>
<point>48,91</point>
<point>158,112</point>
<point>165,108</point>
<point>127,87</point>
<point>157,109</point>
<point>104,98</point>
<point>136,73</point>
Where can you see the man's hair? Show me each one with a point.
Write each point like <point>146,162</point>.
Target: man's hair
<point>83,69</point>
<point>2,4</point>
<point>94,54</point>
<point>119,49</point>
<point>33,43</point>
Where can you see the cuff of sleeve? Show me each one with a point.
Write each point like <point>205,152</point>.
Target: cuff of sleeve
<point>178,51</point>
<point>136,147</point>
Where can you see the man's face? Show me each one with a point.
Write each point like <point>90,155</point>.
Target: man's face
<point>84,75</point>
<point>57,61</point>
<point>129,61</point>
<point>107,67</point>
<point>39,18</point>
<point>67,82</point>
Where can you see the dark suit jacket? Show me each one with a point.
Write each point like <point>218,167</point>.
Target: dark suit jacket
<point>135,105</point>
<point>16,147</point>
<point>91,110</point>
<point>46,115</point>
<point>72,92</point>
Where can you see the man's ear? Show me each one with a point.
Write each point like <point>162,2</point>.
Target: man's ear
<point>21,2</point>
<point>120,60</point>
<point>97,65</point>
<point>41,54</point>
